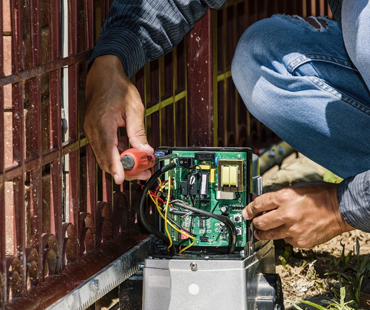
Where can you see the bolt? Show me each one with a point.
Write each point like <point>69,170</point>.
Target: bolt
<point>193,266</point>
<point>94,285</point>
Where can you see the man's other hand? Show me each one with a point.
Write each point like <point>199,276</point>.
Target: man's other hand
<point>304,215</point>
<point>113,102</point>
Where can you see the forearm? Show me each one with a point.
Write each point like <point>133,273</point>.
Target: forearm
<point>354,201</point>
<point>141,31</point>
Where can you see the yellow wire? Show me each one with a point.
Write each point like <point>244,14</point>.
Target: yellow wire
<point>166,211</point>
<point>174,227</point>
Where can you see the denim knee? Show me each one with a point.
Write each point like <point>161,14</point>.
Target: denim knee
<point>254,53</point>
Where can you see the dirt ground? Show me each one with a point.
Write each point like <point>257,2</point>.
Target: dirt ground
<point>305,273</point>
<point>304,277</point>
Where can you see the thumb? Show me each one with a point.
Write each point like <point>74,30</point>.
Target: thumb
<point>136,131</point>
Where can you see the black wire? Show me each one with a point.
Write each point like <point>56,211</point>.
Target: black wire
<point>228,223</point>
<point>141,209</point>
<point>214,208</point>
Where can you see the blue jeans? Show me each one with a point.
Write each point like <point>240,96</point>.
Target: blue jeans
<point>302,83</point>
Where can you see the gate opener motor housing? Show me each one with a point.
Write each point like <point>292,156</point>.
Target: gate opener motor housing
<point>205,256</point>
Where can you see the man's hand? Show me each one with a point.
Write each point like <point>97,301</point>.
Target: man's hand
<point>304,215</point>
<point>112,102</point>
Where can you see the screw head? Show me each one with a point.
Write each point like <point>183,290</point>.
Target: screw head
<point>239,156</point>
<point>193,266</point>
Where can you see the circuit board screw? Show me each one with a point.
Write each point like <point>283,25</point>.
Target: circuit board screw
<point>239,156</point>
<point>193,266</point>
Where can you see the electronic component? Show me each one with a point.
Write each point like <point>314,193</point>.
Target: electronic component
<point>204,184</point>
<point>239,231</point>
<point>237,218</point>
<point>224,208</point>
<point>205,167</point>
<point>203,238</point>
<point>231,172</point>
<point>192,184</point>
<point>212,178</point>
<point>203,195</point>
<point>205,156</point>
<point>201,223</point>
<point>225,195</point>
<point>185,162</point>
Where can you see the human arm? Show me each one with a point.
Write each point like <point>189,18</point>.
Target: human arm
<point>135,32</point>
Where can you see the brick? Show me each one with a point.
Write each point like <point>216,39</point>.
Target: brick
<point>7,54</point>
<point>8,97</point>
<point>8,139</point>
<point>7,26</point>
<point>9,218</point>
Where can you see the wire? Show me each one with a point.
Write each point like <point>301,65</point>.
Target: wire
<point>141,208</point>
<point>214,208</point>
<point>166,212</point>
<point>228,223</point>
<point>178,229</point>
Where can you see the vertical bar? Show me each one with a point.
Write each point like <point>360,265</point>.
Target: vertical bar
<point>2,169</point>
<point>35,129</point>
<point>74,158</point>
<point>104,10</point>
<point>18,135</point>
<point>91,184</point>
<point>201,83</point>
<point>89,24</point>
<point>55,128</point>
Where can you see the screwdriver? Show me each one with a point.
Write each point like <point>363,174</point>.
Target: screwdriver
<point>135,161</point>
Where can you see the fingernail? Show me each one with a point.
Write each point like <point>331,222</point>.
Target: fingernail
<point>245,214</point>
<point>255,235</point>
<point>116,177</point>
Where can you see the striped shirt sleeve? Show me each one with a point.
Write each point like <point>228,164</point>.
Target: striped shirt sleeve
<point>139,31</point>
<point>354,201</point>
<point>336,8</point>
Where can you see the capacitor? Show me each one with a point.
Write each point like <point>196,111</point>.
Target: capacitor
<point>224,208</point>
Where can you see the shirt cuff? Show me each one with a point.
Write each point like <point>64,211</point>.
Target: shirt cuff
<point>354,201</point>
<point>123,44</point>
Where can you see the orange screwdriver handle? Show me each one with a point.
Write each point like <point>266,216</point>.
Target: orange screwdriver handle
<point>134,161</point>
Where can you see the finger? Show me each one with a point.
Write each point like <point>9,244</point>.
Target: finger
<point>108,152</point>
<point>136,130</point>
<point>142,176</point>
<point>263,203</point>
<point>272,234</point>
<point>268,220</point>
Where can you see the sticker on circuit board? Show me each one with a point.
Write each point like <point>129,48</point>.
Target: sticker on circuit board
<point>183,236</point>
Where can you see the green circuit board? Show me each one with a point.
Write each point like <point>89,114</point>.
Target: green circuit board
<point>214,180</point>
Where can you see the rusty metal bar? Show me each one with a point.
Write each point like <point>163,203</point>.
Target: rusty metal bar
<point>74,156</point>
<point>55,128</point>
<point>60,285</point>
<point>35,136</point>
<point>89,24</point>
<point>51,66</point>
<point>3,290</point>
<point>18,137</point>
<point>201,85</point>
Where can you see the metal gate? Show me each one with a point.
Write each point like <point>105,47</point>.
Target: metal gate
<point>62,219</point>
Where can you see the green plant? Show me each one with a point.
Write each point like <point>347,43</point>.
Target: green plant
<point>332,305</point>
<point>353,270</point>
